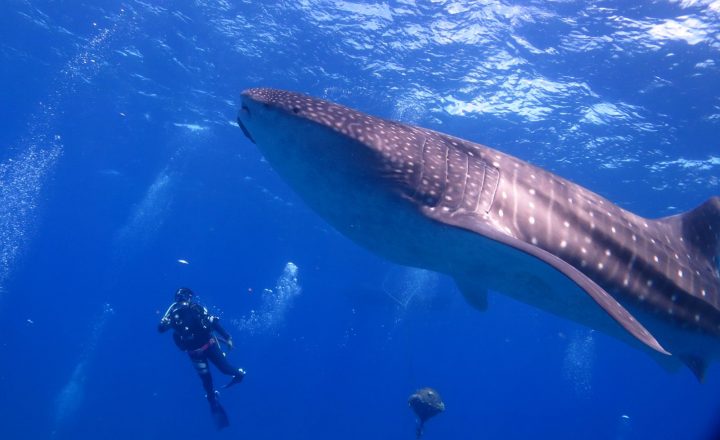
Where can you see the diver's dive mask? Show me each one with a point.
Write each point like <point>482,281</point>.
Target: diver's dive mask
<point>183,294</point>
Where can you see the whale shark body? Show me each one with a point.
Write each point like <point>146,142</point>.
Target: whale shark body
<point>494,222</point>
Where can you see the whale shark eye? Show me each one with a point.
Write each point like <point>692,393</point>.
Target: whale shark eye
<point>295,110</point>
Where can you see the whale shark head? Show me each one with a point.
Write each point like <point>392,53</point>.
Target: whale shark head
<point>320,146</point>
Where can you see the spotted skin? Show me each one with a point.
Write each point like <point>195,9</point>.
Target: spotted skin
<point>651,276</point>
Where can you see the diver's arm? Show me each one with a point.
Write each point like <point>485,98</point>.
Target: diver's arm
<point>165,322</point>
<point>220,330</point>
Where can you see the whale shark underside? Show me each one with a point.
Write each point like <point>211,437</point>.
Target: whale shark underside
<point>494,222</point>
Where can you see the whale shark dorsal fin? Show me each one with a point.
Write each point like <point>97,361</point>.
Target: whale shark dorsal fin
<point>699,229</point>
<point>476,296</point>
<point>597,293</point>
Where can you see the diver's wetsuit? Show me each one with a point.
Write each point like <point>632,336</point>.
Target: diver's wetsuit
<point>193,333</point>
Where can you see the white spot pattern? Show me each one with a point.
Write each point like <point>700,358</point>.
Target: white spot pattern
<point>441,170</point>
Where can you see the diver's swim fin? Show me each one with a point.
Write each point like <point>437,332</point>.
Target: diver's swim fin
<point>236,379</point>
<point>218,413</point>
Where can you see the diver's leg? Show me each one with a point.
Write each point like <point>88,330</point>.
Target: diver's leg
<point>221,362</point>
<point>200,362</point>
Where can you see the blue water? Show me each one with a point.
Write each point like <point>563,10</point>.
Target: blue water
<point>119,157</point>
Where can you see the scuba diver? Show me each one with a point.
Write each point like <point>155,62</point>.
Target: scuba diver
<point>195,333</point>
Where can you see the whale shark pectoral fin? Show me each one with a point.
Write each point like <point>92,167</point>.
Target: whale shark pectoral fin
<point>476,296</point>
<point>613,308</point>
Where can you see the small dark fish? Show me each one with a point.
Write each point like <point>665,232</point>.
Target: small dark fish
<point>425,403</point>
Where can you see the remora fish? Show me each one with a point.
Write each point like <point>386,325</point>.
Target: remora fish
<point>491,221</point>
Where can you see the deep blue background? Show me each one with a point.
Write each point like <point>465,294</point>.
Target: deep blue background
<point>149,168</point>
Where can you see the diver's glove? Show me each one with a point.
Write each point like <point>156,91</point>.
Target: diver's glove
<point>164,324</point>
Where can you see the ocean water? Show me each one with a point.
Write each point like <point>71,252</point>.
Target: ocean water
<point>124,176</point>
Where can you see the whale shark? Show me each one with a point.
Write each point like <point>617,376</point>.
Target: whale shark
<point>494,222</point>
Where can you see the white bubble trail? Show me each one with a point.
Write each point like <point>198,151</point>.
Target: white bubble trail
<point>275,304</point>
<point>406,284</point>
<point>24,174</point>
<point>21,182</point>
<point>71,396</point>
<point>578,362</point>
